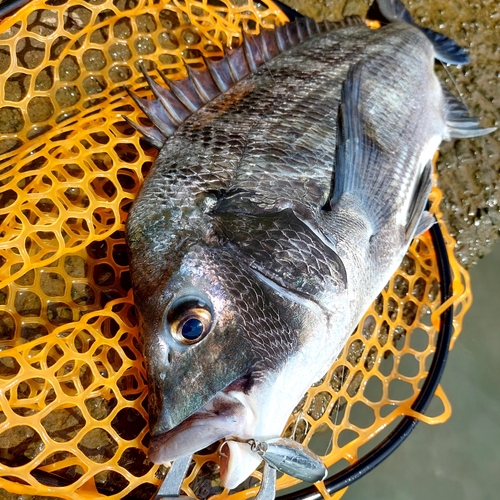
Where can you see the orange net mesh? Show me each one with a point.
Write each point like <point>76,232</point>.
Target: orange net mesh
<point>72,381</point>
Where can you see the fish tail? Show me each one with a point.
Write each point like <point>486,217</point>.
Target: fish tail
<point>459,123</point>
<point>445,49</point>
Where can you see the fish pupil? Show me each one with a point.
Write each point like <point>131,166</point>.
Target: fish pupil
<point>192,329</point>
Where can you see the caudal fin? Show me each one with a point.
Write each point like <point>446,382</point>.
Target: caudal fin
<point>446,49</point>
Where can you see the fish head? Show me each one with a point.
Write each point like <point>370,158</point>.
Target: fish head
<point>229,355</point>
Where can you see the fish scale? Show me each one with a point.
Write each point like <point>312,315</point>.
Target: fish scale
<point>254,164</point>
<point>256,115</point>
<point>184,171</point>
<point>270,246</point>
<point>283,248</point>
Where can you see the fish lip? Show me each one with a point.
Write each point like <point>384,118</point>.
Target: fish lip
<point>158,444</point>
<point>227,414</point>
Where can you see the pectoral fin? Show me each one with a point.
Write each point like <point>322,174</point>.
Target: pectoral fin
<point>360,170</point>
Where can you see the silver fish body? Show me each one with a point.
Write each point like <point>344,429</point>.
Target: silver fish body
<point>271,219</point>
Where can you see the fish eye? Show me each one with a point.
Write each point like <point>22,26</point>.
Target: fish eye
<point>189,319</point>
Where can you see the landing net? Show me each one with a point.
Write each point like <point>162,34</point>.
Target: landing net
<point>73,417</point>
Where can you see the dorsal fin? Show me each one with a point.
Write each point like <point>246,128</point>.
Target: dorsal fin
<point>156,113</point>
<point>151,134</point>
<point>185,91</point>
<point>237,63</point>
<point>182,98</point>
<point>220,72</point>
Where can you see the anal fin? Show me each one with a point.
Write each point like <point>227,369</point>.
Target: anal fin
<point>459,123</point>
<point>427,220</point>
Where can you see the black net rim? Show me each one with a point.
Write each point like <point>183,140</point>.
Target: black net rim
<point>8,7</point>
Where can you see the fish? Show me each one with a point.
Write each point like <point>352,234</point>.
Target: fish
<point>291,177</point>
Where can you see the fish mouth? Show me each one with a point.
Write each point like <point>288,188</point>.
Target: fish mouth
<point>229,414</point>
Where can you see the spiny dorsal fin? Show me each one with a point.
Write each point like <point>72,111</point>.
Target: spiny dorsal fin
<point>156,113</point>
<point>459,123</point>
<point>203,83</point>
<point>254,55</point>
<point>220,72</point>
<point>152,134</point>
<point>168,100</point>
<point>185,91</point>
<point>446,49</point>
<point>180,99</point>
<point>237,63</point>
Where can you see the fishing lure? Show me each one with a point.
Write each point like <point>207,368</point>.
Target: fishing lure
<point>290,457</point>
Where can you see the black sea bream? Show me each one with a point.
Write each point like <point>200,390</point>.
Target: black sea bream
<point>283,198</point>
